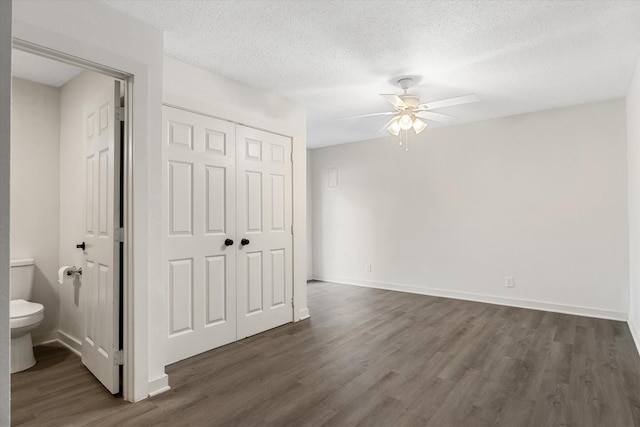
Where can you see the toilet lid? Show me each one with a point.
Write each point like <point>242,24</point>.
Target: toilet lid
<point>21,308</point>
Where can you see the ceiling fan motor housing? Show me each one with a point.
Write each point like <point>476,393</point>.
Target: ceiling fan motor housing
<point>412,101</point>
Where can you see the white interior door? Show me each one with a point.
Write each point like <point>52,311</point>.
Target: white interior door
<point>100,272</point>
<point>199,205</point>
<point>264,219</point>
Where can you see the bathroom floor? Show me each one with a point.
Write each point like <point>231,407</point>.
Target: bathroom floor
<point>370,357</point>
<point>50,390</point>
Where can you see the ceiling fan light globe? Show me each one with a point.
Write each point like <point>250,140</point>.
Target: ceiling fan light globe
<point>419,126</point>
<point>394,128</point>
<point>405,121</point>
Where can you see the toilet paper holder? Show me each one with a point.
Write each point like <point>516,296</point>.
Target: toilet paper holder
<point>73,270</point>
<point>68,271</point>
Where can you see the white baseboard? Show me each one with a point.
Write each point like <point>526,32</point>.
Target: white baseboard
<point>511,302</point>
<point>46,338</point>
<point>70,342</point>
<point>58,336</point>
<point>303,314</point>
<point>159,385</point>
<point>635,331</point>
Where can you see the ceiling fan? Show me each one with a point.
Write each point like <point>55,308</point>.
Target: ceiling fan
<point>409,111</point>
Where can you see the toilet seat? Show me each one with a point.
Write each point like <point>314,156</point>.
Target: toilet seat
<point>25,313</point>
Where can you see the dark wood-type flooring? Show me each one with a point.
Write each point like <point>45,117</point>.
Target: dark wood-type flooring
<point>371,358</point>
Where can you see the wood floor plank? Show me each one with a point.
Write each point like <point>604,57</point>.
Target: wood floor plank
<point>371,357</point>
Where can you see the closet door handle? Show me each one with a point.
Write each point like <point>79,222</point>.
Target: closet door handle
<point>81,246</point>
<point>228,242</point>
<point>244,242</point>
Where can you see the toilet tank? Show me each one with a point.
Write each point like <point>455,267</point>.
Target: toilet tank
<point>22,278</point>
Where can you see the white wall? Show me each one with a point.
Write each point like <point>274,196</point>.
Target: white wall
<point>633,166</point>
<point>205,92</point>
<point>73,96</point>
<point>5,167</point>
<point>540,197</point>
<point>35,209</point>
<point>128,45</point>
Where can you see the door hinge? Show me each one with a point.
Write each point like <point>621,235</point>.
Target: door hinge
<point>292,157</point>
<point>291,228</point>
<point>118,358</point>
<point>118,235</point>
<point>120,114</point>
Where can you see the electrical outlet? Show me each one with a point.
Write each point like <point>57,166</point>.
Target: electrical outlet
<point>368,268</point>
<point>509,283</point>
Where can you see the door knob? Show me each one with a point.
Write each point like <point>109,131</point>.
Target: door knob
<point>244,242</point>
<point>228,242</point>
<point>81,246</point>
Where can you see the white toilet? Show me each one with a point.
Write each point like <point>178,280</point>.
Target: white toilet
<point>25,315</point>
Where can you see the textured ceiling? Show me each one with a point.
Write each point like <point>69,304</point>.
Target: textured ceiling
<point>334,57</point>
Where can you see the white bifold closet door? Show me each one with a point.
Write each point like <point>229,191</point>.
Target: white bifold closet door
<point>264,218</point>
<point>224,183</point>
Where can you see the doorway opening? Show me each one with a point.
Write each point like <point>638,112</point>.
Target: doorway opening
<point>70,198</point>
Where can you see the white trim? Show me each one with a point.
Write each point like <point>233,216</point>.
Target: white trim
<point>45,338</point>
<point>511,302</point>
<point>70,342</point>
<point>36,49</point>
<point>304,314</point>
<point>21,262</point>
<point>130,347</point>
<point>60,337</point>
<point>159,385</point>
<point>635,332</point>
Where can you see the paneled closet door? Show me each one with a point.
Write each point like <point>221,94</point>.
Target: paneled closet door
<point>264,219</point>
<point>199,205</point>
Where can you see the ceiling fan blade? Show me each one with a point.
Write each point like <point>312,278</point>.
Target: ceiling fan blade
<point>395,100</point>
<point>436,117</point>
<point>449,102</point>
<point>387,113</point>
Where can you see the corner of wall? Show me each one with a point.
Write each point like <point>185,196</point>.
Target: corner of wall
<point>635,331</point>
